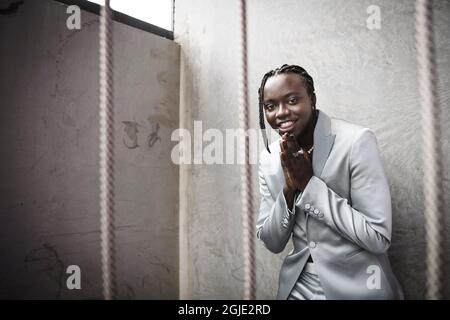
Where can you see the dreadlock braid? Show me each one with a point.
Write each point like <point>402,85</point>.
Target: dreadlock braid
<point>285,68</point>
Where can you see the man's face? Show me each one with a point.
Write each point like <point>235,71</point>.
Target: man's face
<point>287,105</point>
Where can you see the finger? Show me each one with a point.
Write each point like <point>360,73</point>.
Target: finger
<point>288,149</point>
<point>285,161</point>
<point>292,144</point>
<point>289,163</point>
<point>296,145</point>
<point>285,146</point>
<point>286,171</point>
<point>283,143</point>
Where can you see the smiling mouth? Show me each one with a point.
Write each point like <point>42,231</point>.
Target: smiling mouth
<point>286,125</point>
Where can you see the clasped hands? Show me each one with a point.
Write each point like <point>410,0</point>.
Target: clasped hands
<point>297,169</point>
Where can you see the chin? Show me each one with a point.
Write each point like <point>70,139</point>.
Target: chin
<point>298,132</point>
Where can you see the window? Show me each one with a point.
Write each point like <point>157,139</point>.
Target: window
<point>155,12</point>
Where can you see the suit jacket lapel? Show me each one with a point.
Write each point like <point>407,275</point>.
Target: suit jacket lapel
<point>323,141</point>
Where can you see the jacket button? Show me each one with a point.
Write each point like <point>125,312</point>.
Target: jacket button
<point>307,206</point>
<point>316,211</point>
<point>312,244</point>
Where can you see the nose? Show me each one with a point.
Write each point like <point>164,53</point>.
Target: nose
<point>282,111</point>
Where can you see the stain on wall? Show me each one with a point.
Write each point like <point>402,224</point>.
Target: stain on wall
<point>45,261</point>
<point>131,134</point>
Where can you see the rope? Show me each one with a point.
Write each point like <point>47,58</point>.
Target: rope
<point>246,174</point>
<point>431,162</point>
<point>107,152</point>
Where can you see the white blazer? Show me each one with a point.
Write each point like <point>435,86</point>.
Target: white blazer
<point>342,218</point>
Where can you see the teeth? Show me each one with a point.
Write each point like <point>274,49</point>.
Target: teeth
<point>286,124</point>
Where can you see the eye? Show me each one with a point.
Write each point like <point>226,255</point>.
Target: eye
<point>293,100</point>
<point>268,106</point>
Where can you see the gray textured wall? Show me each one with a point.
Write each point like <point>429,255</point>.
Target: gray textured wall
<point>364,76</point>
<point>49,136</point>
<point>49,166</point>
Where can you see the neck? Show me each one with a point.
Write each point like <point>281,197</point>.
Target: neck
<point>306,140</point>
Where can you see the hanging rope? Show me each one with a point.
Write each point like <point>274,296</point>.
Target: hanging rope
<point>107,152</point>
<point>246,174</point>
<point>431,161</point>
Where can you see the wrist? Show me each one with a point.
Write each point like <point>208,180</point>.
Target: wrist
<point>288,190</point>
<point>289,195</point>
<point>303,185</point>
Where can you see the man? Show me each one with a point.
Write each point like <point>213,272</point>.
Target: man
<point>322,184</point>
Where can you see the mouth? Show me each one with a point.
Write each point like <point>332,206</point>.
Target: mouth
<point>287,125</point>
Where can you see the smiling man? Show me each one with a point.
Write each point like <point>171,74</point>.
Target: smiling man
<point>323,185</point>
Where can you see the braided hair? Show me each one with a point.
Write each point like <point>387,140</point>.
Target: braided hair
<point>285,68</point>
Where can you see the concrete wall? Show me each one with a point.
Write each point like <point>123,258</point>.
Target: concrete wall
<point>49,166</point>
<point>364,76</point>
<point>49,138</point>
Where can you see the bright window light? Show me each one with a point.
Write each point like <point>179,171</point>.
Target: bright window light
<point>156,12</point>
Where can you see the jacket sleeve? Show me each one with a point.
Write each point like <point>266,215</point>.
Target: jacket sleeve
<point>275,221</point>
<point>367,219</point>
